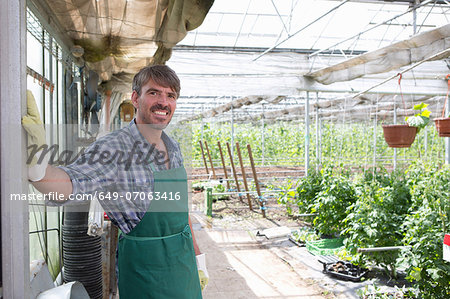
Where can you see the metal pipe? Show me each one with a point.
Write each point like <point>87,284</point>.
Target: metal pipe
<point>253,192</point>
<point>376,249</point>
<point>307,134</point>
<point>305,215</point>
<point>242,24</point>
<point>447,139</point>
<point>301,29</point>
<point>375,139</point>
<point>317,132</point>
<point>369,29</point>
<point>263,135</point>
<point>395,149</point>
<point>232,129</point>
<point>443,53</point>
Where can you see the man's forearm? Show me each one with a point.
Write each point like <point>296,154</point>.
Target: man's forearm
<point>55,180</point>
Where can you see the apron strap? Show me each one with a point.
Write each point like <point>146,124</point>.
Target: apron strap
<point>152,166</point>
<point>185,233</point>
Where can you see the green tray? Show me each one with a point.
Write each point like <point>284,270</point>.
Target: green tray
<point>325,246</point>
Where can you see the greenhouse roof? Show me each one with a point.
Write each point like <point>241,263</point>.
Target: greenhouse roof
<point>281,49</point>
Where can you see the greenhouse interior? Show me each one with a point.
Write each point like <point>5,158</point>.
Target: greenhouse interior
<point>314,135</point>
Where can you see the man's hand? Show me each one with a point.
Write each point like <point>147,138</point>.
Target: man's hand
<point>202,271</point>
<point>32,123</point>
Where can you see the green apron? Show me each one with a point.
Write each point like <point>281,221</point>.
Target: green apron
<point>157,259</point>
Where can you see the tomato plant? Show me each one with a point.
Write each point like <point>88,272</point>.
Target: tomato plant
<point>375,218</point>
<point>331,203</point>
<point>424,231</point>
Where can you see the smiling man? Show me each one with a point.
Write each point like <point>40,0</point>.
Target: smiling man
<point>146,197</point>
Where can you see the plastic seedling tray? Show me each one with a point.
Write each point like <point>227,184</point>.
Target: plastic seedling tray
<point>325,246</point>
<point>343,270</point>
<point>299,244</point>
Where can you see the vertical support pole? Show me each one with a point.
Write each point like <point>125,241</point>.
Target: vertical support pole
<point>317,133</point>
<point>208,202</point>
<point>320,140</point>
<point>255,178</point>
<point>224,166</point>
<point>425,140</point>
<point>263,133</point>
<point>234,172</point>
<point>210,160</point>
<point>395,149</point>
<point>416,2</point>
<point>375,139</point>
<point>203,123</point>
<point>244,177</point>
<point>112,259</point>
<point>307,133</point>
<point>447,139</point>
<point>15,255</point>
<point>203,156</point>
<point>232,128</point>
<point>263,136</point>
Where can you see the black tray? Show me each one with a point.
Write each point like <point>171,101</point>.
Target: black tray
<point>344,270</point>
<point>297,243</point>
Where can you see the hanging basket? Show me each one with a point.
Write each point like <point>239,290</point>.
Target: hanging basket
<point>399,135</point>
<point>443,126</point>
<point>443,123</point>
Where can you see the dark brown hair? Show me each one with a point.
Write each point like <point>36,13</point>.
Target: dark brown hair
<point>160,74</point>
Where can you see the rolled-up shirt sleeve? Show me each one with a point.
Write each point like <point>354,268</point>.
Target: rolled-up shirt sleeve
<point>93,170</point>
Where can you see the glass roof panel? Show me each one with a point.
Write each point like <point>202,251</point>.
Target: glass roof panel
<point>312,24</point>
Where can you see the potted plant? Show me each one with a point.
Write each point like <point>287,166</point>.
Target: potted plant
<point>399,136</point>
<point>443,123</point>
<point>443,126</point>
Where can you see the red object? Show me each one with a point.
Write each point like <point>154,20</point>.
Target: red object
<point>105,216</point>
<point>447,240</point>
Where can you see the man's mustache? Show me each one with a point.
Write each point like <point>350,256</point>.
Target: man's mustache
<point>160,107</point>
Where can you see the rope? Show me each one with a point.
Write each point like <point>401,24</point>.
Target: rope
<point>401,92</point>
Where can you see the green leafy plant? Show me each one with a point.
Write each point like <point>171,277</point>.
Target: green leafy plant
<point>198,186</point>
<point>424,231</point>
<point>307,190</point>
<point>375,218</point>
<point>420,119</point>
<point>373,291</point>
<point>331,203</point>
<point>286,196</point>
<point>219,188</point>
<point>304,234</point>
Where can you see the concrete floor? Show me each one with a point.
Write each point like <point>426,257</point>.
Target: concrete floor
<point>240,266</point>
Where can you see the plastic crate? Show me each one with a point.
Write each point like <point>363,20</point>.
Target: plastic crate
<point>325,246</point>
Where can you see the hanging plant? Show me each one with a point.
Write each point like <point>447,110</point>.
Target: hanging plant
<point>443,123</point>
<point>400,136</point>
<point>420,119</point>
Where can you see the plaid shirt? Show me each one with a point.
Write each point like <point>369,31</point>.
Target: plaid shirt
<point>118,166</point>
